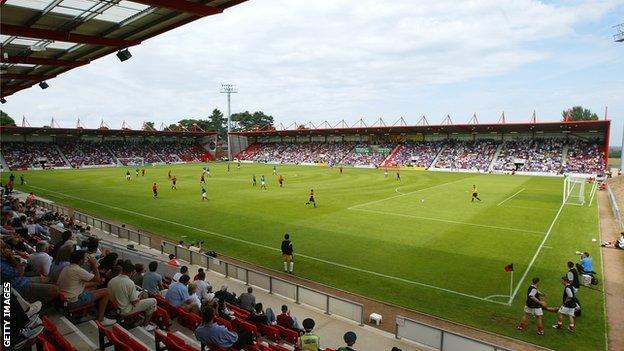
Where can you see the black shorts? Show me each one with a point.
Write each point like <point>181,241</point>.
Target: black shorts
<point>311,199</point>
<point>155,193</point>
<point>474,195</point>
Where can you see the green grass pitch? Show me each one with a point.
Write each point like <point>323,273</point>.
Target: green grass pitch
<point>419,242</point>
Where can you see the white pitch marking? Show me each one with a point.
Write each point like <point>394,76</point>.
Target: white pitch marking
<point>276,249</point>
<point>492,296</point>
<point>397,190</point>
<point>539,249</point>
<point>448,221</point>
<point>531,208</point>
<point>509,198</point>
<point>403,194</point>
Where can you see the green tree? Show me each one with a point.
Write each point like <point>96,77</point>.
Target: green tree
<point>247,121</point>
<point>578,113</point>
<point>148,126</point>
<point>218,123</point>
<point>189,122</point>
<point>5,119</point>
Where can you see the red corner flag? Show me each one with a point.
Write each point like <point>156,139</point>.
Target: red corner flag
<point>509,267</point>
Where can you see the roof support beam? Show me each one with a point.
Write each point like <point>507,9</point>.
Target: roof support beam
<point>7,76</point>
<point>183,6</point>
<point>38,33</point>
<point>42,61</point>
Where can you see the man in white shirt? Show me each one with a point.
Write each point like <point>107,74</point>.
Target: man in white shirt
<point>40,260</point>
<point>183,271</point>
<point>124,292</point>
<point>74,278</point>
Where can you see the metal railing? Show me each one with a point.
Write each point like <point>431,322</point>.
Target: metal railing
<point>300,294</point>
<point>439,339</point>
<point>614,206</point>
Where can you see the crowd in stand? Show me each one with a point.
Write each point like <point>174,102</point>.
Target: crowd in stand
<point>470,155</point>
<point>535,155</point>
<point>585,157</point>
<point>365,154</point>
<point>81,153</point>
<point>85,153</point>
<point>416,154</point>
<point>27,155</point>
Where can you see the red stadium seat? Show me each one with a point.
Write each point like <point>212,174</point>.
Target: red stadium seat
<point>44,345</point>
<point>128,340</point>
<point>242,324</point>
<point>269,332</point>
<point>127,320</point>
<point>53,335</point>
<point>181,342</point>
<point>74,312</point>
<point>189,319</point>
<point>171,341</point>
<point>161,318</point>
<point>224,323</point>
<point>289,335</point>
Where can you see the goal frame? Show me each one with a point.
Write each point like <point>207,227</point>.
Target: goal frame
<point>574,188</point>
<point>131,161</point>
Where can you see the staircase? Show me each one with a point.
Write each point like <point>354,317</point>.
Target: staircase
<point>114,156</point>
<point>564,154</point>
<point>495,158</point>
<point>5,165</point>
<point>388,161</point>
<point>62,155</point>
<point>435,160</point>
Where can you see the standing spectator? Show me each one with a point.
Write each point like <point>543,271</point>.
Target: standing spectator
<point>213,334</point>
<point>152,281</point>
<point>123,291</point>
<point>247,300</point>
<point>533,306</point>
<point>74,279</point>
<point>349,339</point>
<point>40,260</point>
<point>287,254</point>
<point>569,303</point>
<point>309,341</point>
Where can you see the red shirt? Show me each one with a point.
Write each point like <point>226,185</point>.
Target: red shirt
<point>285,320</point>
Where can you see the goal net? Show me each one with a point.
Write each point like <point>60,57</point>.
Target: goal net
<point>574,190</point>
<point>131,161</point>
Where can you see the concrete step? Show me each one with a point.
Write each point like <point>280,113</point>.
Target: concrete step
<point>81,336</point>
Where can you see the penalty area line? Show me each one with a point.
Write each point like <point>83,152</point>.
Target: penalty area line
<point>403,280</point>
<point>509,198</point>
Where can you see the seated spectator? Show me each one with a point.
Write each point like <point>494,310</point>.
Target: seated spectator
<point>124,292</point>
<point>349,339</point>
<point>199,270</point>
<point>40,261</point>
<point>309,341</point>
<point>247,300</point>
<point>60,261</point>
<point>183,271</point>
<point>107,262</point>
<point>65,236</point>
<point>31,288</point>
<point>178,295</point>
<point>152,281</point>
<point>138,274</point>
<point>173,261</point>
<point>257,316</point>
<point>204,290</point>
<point>213,334</point>
<point>74,279</point>
<point>586,265</point>
<point>286,320</point>
<point>195,305</point>
<point>225,296</point>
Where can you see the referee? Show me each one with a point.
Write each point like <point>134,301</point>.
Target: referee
<point>287,254</point>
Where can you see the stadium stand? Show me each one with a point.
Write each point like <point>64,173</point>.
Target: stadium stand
<point>86,153</point>
<point>29,155</point>
<point>467,155</point>
<point>415,154</point>
<point>585,157</point>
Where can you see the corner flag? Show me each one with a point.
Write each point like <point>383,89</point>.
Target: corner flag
<point>509,268</point>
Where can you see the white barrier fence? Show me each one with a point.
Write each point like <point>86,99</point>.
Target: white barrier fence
<point>439,339</point>
<point>615,207</point>
<point>330,304</point>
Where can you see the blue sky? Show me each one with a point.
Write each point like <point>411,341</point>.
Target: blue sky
<point>313,61</point>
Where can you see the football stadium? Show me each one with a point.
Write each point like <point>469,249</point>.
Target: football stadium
<point>497,234</point>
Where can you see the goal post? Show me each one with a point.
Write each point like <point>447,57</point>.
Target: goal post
<point>574,190</point>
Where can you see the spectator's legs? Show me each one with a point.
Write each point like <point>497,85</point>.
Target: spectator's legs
<point>244,338</point>
<point>102,296</point>
<point>39,291</point>
<point>146,305</point>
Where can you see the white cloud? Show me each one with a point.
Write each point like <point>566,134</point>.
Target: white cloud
<point>320,60</point>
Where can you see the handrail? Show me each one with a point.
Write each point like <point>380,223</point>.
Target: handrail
<point>614,206</point>
<point>331,304</point>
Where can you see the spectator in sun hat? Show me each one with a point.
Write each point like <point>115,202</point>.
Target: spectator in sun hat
<point>308,341</point>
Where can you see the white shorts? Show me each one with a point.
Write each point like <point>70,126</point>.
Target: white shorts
<point>262,183</point>
<point>566,310</point>
<point>204,195</point>
<point>534,311</point>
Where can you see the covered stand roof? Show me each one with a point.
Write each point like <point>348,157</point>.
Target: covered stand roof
<point>44,38</point>
<point>598,126</point>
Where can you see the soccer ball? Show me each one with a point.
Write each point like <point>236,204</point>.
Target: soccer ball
<point>423,200</point>
<point>594,240</point>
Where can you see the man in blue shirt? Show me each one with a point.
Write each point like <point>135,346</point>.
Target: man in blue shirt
<point>152,281</point>
<point>586,264</point>
<point>178,295</point>
<point>213,334</point>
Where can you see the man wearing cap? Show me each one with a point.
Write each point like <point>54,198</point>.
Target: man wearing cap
<point>309,341</point>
